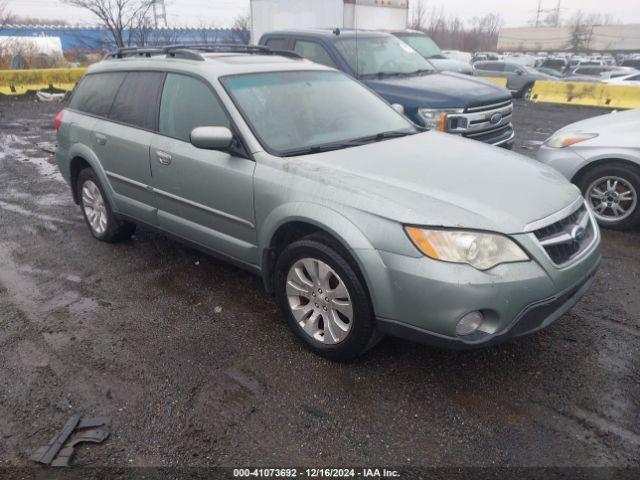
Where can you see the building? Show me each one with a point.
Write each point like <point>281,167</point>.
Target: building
<point>97,39</point>
<point>603,38</point>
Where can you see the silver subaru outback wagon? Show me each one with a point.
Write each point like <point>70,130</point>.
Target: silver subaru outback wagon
<point>360,223</point>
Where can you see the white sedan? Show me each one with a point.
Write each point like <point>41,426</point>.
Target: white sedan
<point>601,155</point>
<point>628,80</point>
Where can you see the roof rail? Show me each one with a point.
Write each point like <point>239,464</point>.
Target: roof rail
<point>194,51</point>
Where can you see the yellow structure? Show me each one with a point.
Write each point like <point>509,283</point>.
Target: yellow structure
<point>17,82</point>
<point>586,94</point>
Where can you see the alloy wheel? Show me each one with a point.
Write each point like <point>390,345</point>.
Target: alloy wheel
<point>319,301</point>
<point>94,207</point>
<point>612,198</point>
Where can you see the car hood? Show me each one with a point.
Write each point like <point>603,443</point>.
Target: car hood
<point>440,90</point>
<point>628,122</point>
<point>451,65</point>
<point>438,179</point>
<point>617,130</point>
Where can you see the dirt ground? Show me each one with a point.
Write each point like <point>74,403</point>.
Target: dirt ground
<point>197,368</point>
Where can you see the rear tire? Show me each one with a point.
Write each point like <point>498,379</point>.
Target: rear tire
<point>610,184</point>
<point>525,94</point>
<point>333,315</point>
<point>97,212</point>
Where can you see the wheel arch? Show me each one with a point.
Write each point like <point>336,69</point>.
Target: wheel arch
<point>579,175</point>
<point>287,224</point>
<point>83,157</point>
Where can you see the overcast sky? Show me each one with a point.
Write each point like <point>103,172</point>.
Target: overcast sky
<point>222,12</point>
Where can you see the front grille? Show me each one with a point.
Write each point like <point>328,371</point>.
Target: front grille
<point>490,106</point>
<point>482,122</point>
<point>566,239</point>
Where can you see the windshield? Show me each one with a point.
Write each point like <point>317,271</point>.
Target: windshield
<point>291,112</point>
<point>423,45</point>
<point>379,56</point>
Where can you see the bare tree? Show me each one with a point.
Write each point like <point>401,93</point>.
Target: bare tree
<point>119,16</point>
<point>418,15</point>
<point>5,14</point>
<point>582,30</point>
<point>242,24</point>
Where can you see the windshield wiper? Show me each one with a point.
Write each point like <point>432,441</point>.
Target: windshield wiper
<point>348,143</point>
<point>316,149</point>
<point>422,71</point>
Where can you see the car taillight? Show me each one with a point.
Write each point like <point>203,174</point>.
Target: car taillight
<point>58,120</point>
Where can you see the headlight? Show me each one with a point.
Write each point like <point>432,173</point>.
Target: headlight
<point>566,139</point>
<point>436,118</point>
<point>480,250</point>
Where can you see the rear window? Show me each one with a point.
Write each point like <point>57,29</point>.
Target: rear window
<point>137,100</point>
<point>314,52</point>
<point>277,43</point>
<point>96,92</point>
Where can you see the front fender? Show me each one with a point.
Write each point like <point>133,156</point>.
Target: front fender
<point>342,230</point>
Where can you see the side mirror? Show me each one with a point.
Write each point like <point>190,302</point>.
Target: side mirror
<point>211,138</point>
<point>519,72</point>
<point>398,108</point>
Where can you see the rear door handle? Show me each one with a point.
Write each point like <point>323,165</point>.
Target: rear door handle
<point>101,139</point>
<point>163,157</point>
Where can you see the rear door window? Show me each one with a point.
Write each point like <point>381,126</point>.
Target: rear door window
<point>315,52</point>
<point>510,67</point>
<point>188,103</point>
<point>277,43</point>
<point>96,92</point>
<point>137,100</point>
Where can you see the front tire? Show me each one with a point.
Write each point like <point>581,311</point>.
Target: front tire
<point>612,191</point>
<point>525,94</point>
<point>324,301</point>
<point>97,212</point>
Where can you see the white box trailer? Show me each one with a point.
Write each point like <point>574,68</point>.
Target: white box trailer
<point>270,15</point>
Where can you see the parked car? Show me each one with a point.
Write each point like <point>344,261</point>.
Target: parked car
<point>426,47</point>
<point>557,64</point>
<point>446,101</point>
<point>458,55</point>
<point>601,155</point>
<point>550,71</point>
<point>632,80</point>
<point>360,222</point>
<point>520,78</point>
<point>596,73</point>
<point>631,62</point>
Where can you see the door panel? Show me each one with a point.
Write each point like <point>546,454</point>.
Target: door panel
<point>125,139</point>
<point>205,196</point>
<point>124,153</point>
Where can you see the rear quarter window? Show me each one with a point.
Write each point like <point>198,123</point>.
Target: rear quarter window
<point>277,43</point>
<point>137,100</point>
<point>96,93</point>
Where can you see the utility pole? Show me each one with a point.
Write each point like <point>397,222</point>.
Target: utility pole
<point>557,23</point>
<point>159,13</point>
<point>538,13</point>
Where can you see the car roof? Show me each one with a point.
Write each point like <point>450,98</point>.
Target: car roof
<point>328,33</point>
<point>210,65</point>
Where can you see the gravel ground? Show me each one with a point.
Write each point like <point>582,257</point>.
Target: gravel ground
<point>197,368</point>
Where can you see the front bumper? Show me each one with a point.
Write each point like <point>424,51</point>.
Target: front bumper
<point>421,299</point>
<point>564,160</point>
<point>532,318</point>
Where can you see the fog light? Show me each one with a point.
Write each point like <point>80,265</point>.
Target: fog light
<point>469,323</point>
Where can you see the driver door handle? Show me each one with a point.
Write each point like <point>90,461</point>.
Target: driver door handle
<point>163,157</point>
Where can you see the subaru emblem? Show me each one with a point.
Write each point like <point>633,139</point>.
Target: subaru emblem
<point>577,233</point>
